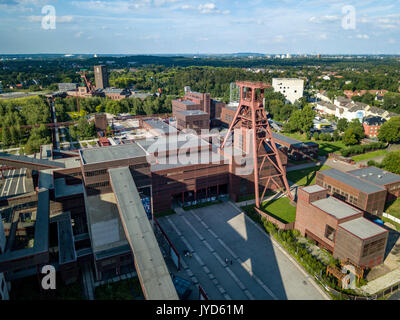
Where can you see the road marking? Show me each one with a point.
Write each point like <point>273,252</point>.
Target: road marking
<point>19,178</point>
<point>5,183</point>
<point>9,186</point>
<point>290,258</point>
<point>23,180</point>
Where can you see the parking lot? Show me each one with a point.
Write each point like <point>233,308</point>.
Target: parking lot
<point>233,258</point>
<point>13,183</point>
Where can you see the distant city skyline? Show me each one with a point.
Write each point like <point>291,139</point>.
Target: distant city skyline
<point>201,27</point>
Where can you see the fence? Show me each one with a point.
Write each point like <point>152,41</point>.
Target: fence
<point>397,220</point>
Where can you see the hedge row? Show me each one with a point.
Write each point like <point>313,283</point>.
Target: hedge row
<point>362,148</point>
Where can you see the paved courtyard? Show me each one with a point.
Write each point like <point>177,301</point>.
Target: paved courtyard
<point>259,269</point>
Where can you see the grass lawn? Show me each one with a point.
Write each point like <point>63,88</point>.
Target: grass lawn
<point>305,177</point>
<point>391,222</point>
<point>369,155</point>
<point>394,209</point>
<point>123,290</point>
<point>280,209</point>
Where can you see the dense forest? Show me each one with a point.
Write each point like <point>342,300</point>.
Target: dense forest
<point>26,111</point>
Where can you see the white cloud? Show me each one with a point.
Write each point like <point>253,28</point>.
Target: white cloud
<point>207,8</point>
<point>78,34</point>
<point>363,36</point>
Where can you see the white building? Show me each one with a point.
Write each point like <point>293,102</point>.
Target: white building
<point>3,285</point>
<point>292,88</point>
<point>325,108</point>
<point>323,96</point>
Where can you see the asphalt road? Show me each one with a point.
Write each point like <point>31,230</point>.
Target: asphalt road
<point>13,183</point>
<point>259,270</point>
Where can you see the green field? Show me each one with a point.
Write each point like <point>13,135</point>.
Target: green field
<point>280,209</point>
<point>394,209</point>
<point>305,177</point>
<point>369,155</point>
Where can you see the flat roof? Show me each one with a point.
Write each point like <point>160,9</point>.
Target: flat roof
<point>46,179</point>
<point>161,125</point>
<point>362,228</point>
<point>192,112</point>
<point>313,188</point>
<point>150,264</point>
<point>187,102</point>
<point>376,175</point>
<point>66,240</point>
<point>171,142</point>
<point>285,138</point>
<point>19,158</point>
<point>64,190</point>
<point>111,153</point>
<point>105,227</point>
<point>336,208</point>
<point>351,180</point>
<point>199,158</point>
<point>41,233</point>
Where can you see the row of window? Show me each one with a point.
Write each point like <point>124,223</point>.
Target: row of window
<point>373,247</point>
<point>95,173</point>
<point>99,184</point>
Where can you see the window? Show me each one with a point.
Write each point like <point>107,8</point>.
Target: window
<point>330,233</point>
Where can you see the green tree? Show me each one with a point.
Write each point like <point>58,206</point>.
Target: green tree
<point>350,137</point>
<point>5,136</point>
<point>391,162</point>
<point>301,120</point>
<point>390,130</point>
<point>342,124</point>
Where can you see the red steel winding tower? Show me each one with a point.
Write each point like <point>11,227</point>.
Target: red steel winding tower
<point>251,115</point>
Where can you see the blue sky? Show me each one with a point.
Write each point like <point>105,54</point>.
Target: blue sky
<point>200,26</point>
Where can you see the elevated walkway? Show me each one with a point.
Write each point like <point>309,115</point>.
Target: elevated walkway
<point>17,161</point>
<point>152,270</point>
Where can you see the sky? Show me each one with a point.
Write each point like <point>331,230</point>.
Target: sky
<point>200,26</point>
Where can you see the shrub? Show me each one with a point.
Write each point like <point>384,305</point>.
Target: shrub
<point>358,149</point>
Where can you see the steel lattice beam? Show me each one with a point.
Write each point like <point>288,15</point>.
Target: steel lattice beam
<point>252,116</point>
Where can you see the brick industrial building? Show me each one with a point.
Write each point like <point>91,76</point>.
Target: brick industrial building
<point>339,228</point>
<point>297,150</point>
<point>369,197</point>
<point>101,77</point>
<point>196,110</point>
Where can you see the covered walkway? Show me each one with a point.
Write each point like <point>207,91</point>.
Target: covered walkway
<point>152,270</point>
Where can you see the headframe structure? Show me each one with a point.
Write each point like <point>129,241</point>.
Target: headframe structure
<point>251,115</point>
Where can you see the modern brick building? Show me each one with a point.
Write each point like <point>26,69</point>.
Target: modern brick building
<point>158,127</point>
<point>371,126</point>
<point>360,193</point>
<point>116,94</point>
<point>297,150</point>
<point>227,115</point>
<point>193,119</point>
<point>101,77</point>
<point>100,121</point>
<point>382,178</point>
<point>196,110</point>
<point>339,228</point>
